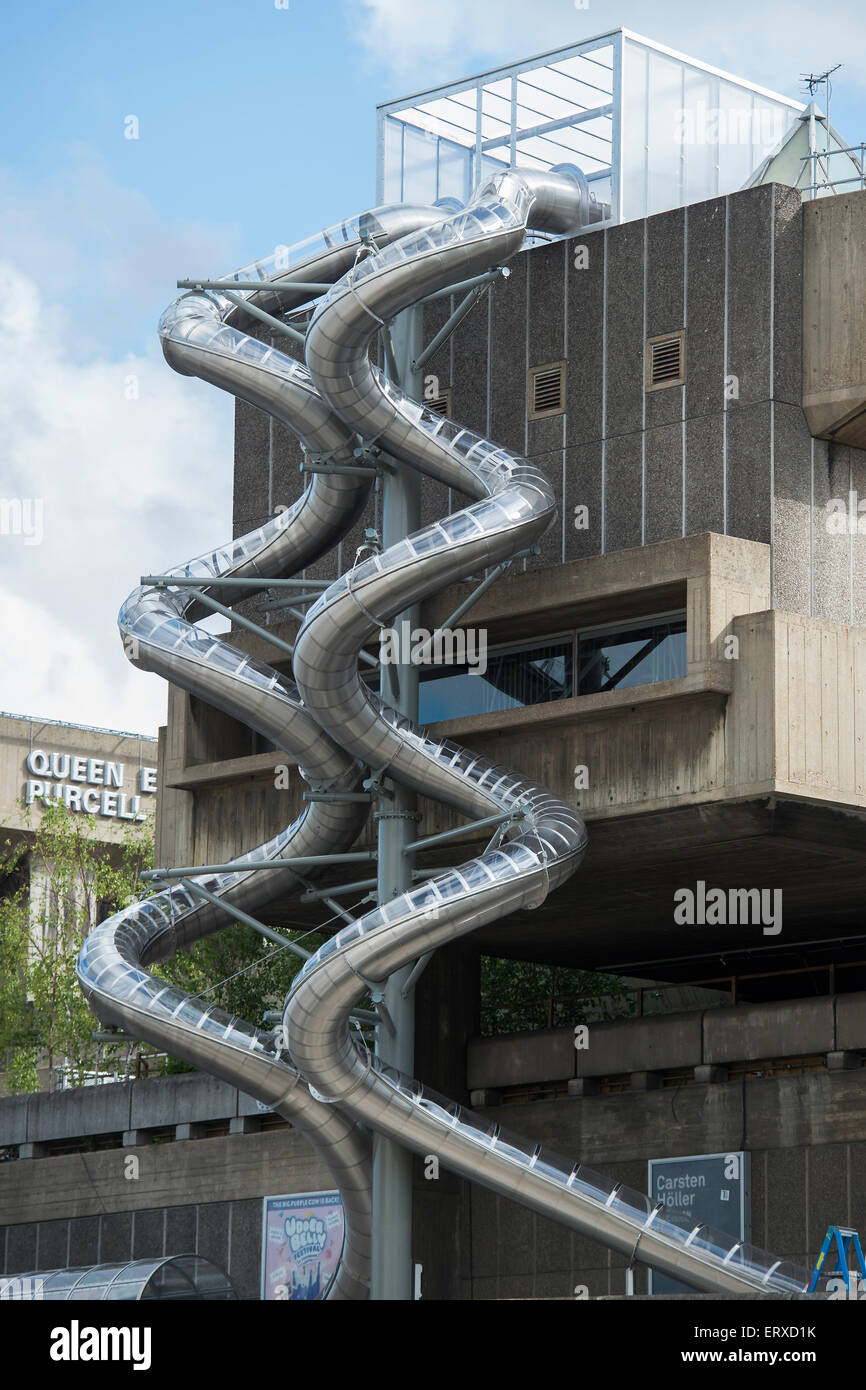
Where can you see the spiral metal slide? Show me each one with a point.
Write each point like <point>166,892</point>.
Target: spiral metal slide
<point>327,1083</point>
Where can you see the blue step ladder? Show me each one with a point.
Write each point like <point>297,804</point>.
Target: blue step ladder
<point>844,1240</point>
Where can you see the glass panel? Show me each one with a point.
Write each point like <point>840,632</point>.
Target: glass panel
<point>628,656</point>
<point>530,675</point>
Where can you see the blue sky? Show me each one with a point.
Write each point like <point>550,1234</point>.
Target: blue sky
<point>256,127</point>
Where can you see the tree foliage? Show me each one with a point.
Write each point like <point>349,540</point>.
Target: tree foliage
<point>45,914</point>
<point>518,995</point>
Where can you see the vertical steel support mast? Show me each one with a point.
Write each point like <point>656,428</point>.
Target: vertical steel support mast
<point>392,1163</point>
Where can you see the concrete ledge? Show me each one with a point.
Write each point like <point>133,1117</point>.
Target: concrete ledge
<point>13,1120</point>
<point>521,1058</point>
<point>748,1032</point>
<point>851,1021</point>
<point>185,1099</point>
<point>131,1107</point>
<point>85,1110</point>
<point>642,1045</point>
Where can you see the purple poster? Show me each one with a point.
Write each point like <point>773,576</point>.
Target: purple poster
<point>302,1239</point>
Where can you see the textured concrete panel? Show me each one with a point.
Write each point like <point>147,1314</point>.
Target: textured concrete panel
<point>20,1249</point>
<point>252,449</point>
<point>786,1205</point>
<point>705,480</point>
<point>213,1229</point>
<point>115,1236</point>
<point>84,1241</point>
<point>485,1233</point>
<point>625,349</point>
<point>788,291</point>
<point>469,373</point>
<point>645,1044</point>
<point>516,1239</point>
<point>521,1058</point>
<point>87,1110</point>
<point>751,1032</point>
<point>664,483</point>
<point>246,1247</point>
<point>547,266</point>
<point>508,357</point>
<point>182,1099</point>
<point>792,513</point>
<point>585,329</point>
<point>665,302</point>
<point>749,298</point>
<point>827,1203</point>
<point>857,461</point>
<point>13,1120</point>
<point>748,471</point>
<point>53,1243</point>
<point>583,488</point>
<point>147,1234</point>
<point>180,1231</point>
<point>623,481</point>
<point>705,336</point>
<point>832,557</point>
<point>851,1021</point>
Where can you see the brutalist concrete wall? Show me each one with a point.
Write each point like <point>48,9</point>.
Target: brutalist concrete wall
<point>728,451</point>
<point>804,1134</point>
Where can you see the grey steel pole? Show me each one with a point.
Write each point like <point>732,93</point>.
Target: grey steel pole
<point>392,1163</point>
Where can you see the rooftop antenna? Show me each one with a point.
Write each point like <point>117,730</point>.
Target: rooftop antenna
<point>812,81</point>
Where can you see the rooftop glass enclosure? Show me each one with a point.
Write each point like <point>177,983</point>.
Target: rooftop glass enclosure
<point>650,128</point>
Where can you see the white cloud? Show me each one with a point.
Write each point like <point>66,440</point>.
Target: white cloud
<point>429,41</point>
<point>102,252</point>
<point>126,487</point>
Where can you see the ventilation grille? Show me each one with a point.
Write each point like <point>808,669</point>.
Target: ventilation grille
<point>665,361</point>
<point>441,403</point>
<point>546,390</point>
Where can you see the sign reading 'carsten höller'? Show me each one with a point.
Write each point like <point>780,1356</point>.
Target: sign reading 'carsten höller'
<point>94,786</point>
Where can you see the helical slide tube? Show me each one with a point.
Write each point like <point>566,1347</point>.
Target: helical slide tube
<point>327,718</point>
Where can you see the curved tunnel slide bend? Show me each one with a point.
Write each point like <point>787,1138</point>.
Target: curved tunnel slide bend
<point>329,721</point>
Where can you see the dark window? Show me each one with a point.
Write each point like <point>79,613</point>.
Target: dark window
<point>515,676</point>
<point>631,654</point>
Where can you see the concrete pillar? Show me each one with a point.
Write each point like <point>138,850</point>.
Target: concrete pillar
<point>708,1076</point>
<point>189,1131</point>
<point>478,1100</point>
<point>135,1138</point>
<point>842,1061</point>
<point>245,1124</point>
<point>583,1086</point>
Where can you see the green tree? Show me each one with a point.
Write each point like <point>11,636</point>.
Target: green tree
<point>45,914</point>
<point>519,995</point>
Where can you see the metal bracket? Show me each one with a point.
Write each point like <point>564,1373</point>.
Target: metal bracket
<point>464,307</point>
<point>372,540</point>
<point>375,785</point>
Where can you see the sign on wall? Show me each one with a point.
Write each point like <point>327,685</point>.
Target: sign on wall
<point>712,1189</point>
<point>96,786</point>
<point>302,1239</point>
